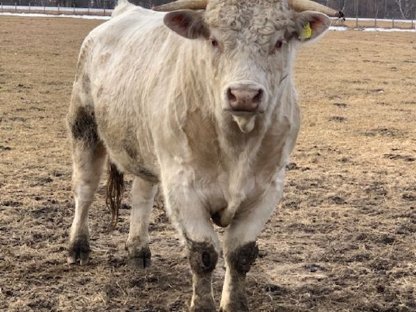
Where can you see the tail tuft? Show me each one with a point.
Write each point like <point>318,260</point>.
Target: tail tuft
<point>115,188</point>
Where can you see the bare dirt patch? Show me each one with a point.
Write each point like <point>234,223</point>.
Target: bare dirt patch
<point>343,239</point>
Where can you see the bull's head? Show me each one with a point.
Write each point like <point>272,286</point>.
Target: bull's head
<point>250,45</point>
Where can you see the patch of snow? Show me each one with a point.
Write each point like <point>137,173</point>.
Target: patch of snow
<point>11,8</point>
<point>338,28</point>
<point>389,29</point>
<point>343,28</point>
<point>54,16</point>
<point>379,20</point>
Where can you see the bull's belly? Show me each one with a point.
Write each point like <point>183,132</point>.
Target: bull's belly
<point>133,163</point>
<point>121,139</point>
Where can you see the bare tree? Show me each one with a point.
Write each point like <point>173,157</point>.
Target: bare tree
<point>400,6</point>
<point>377,5</point>
<point>406,7</point>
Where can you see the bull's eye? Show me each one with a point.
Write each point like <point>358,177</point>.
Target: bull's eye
<point>278,45</point>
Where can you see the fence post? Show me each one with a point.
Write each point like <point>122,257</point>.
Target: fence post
<point>15,7</point>
<point>356,13</point>
<point>29,7</point>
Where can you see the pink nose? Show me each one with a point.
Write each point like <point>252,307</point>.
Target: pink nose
<point>244,99</point>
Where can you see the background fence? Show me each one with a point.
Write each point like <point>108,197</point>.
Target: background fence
<point>383,9</point>
<point>55,10</point>
<point>360,13</point>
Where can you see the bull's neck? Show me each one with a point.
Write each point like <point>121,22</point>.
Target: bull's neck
<point>235,146</point>
<point>270,128</point>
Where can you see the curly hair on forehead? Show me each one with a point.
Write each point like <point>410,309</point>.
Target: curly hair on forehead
<point>240,14</point>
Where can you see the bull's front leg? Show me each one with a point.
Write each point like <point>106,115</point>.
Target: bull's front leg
<point>193,222</point>
<point>240,248</point>
<point>202,258</point>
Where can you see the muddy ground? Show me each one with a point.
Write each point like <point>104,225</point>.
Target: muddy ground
<point>343,239</point>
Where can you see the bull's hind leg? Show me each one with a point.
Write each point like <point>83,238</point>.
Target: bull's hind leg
<point>88,158</point>
<point>142,196</point>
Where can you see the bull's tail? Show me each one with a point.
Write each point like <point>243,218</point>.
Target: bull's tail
<point>115,188</point>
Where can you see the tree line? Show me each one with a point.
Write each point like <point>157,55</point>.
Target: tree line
<point>397,9</point>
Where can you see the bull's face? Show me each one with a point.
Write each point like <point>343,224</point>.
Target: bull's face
<point>249,46</point>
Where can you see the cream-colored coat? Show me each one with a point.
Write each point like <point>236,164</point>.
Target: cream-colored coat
<point>158,103</point>
<point>155,113</point>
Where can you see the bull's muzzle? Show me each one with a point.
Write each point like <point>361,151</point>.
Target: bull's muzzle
<point>244,98</point>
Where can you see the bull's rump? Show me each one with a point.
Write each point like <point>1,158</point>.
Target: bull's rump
<point>119,79</point>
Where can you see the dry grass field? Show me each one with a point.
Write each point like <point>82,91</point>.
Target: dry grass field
<point>343,239</point>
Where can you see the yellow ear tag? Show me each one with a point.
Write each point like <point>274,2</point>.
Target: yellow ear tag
<point>307,31</point>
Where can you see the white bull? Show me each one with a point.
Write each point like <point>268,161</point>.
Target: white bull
<point>202,103</point>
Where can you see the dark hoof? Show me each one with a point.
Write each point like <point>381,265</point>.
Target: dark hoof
<point>140,258</point>
<point>203,309</point>
<point>207,306</point>
<point>239,307</point>
<point>79,251</point>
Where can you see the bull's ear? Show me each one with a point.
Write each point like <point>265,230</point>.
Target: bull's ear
<point>311,25</point>
<point>187,23</point>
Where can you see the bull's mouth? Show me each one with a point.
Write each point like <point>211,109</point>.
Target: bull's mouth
<point>243,112</point>
<point>245,122</point>
<point>244,119</point>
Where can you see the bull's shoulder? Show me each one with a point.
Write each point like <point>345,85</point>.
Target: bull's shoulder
<point>119,34</point>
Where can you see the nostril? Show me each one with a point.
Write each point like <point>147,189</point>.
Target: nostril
<point>258,97</point>
<point>230,96</point>
<point>244,98</point>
